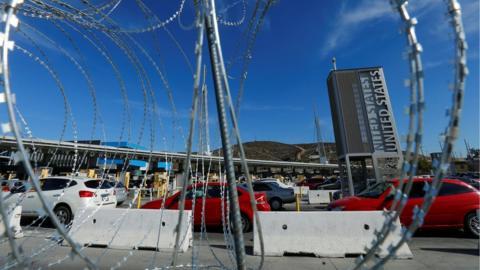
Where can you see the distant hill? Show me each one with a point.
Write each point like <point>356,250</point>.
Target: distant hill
<point>269,150</point>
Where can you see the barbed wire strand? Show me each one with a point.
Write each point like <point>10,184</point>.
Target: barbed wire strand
<point>10,17</point>
<point>186,166</point>
<point>410,161</point>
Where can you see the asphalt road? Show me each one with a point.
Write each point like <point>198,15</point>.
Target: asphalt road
<point>432,250</point>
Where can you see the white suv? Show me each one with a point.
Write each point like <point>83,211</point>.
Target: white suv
<point>78,193</point>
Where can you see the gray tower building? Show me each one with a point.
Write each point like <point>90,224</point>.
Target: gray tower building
<point>365,132</point>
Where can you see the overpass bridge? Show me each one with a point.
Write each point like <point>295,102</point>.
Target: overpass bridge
<point>60,155</point>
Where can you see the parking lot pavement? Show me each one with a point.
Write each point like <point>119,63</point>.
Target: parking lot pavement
<point>432,250</point>
<point>449,249</point>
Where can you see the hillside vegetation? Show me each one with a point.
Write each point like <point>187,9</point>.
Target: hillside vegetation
<point>269,150</point>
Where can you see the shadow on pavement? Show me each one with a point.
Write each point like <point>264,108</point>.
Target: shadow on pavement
<point>465,251</point>
<point>447,233</point>
<point>248,249</point>
<point>35,222</point>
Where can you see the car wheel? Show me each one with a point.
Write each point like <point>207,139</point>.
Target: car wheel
<point>472,224</point>
<point>245,223</point>
<point>63,214</point>
<point>275,204</point>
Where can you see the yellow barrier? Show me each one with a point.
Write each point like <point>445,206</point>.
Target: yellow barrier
<point>297,201</point>
<point>298,198</point>
<point>139,201</point>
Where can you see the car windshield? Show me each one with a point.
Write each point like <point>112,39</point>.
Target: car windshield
<point>332,185</point>
<point>469,181</point>
<point>374,191</point>
<point>116,184</point>
<point>96,184</point>
<point>282,185</point>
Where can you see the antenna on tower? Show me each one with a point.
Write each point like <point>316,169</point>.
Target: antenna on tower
<point>334,63</point>
<point>322,155</point>
<point>205,113</point>
<point>441,145</point>
<point>467,146</point>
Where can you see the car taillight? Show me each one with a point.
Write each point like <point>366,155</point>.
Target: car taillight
<point>85,194</point>
<point>260,198</point>
<point>5,188</point>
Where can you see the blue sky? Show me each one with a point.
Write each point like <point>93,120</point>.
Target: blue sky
<point>286,76</point>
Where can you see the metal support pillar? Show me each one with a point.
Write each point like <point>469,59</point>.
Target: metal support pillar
<point>378,175</point>
<point>215,54</point>
<point>349,174</point>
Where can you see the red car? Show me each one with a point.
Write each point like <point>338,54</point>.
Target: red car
<point>213,203</point>
<point>456,206</point>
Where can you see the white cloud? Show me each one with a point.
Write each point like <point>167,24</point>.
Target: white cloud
<point>472,55</point>
<point>350,20</point>
<point>33,36</point>
<point>253,108</point>
<point>435,64</point>
<point>367,11</point>
<point>470,11</point>
<point>165,113</point>
<point>441,26</point>
<point>423,8</point>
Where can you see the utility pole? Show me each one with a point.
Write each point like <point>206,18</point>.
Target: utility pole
<point>441,145</point>
<point>217,66</point>
<point>205,113</point>
<point>322,155</point>
<point>467,147</point>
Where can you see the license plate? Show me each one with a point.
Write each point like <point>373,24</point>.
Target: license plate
<point>105,198</point>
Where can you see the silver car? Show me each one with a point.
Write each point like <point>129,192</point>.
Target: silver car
<point>121,192</point>
<point>277,192</point>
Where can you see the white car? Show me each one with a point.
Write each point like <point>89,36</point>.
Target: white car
<point>12,184</point>
<point>121,191</point>
<point>78,193</point>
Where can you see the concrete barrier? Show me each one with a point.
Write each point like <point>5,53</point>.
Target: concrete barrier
<point>14,215</point>
<point>303,190</point>
<point>320,196</point>
<point>324,234</point>
<point>135,228</point>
